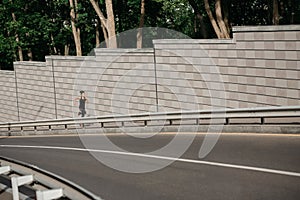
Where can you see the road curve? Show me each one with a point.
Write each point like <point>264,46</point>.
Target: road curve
<point>241,166</point>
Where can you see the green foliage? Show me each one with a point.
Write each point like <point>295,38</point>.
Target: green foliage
<point>176,15</point>
<point>7,46</point>
<point>260,12</point>
<point>44,26</point>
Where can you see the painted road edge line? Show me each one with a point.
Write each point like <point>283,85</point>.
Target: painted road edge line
<point>218,164</point>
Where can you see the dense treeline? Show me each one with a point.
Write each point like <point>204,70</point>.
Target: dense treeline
<point>29,30</point>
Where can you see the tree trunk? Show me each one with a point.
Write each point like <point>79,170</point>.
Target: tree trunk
<point>96,7</point>
<point>212,19</point>
<point>20,52</point>
<point>292,14</point>
<point>99,13</point>
<point>200,18</point>
<point>226,6</point>
<point>275,12</point>
<point>67,49</point>
<point>105,34</point>
<point>75,30</point>
<point>29,51</point>
<point>219,24</point>
<point>97,35</point>
<point>139,37</point>
<point>54,47</point>
<point>111,30</point>
<point>29,54</point>
<point>203,29</point>
<point>220,20</point>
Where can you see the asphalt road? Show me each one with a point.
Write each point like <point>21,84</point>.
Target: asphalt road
<point>225,175</point>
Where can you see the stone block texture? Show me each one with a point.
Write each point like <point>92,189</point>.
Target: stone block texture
<point>35,90</point>
<point>116,82</point>
<point>8,100</point>
<point>125,81</point>
<point>66,75</point>
<point>258,67</point>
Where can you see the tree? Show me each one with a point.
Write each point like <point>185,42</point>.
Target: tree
<point>30,30</point>
<point>75,30</point>
<point>142,20</point>
<point>173,14</point>
<point>218,23</point>
<point>275,13</point>
<point>200,17</point>
<point>108,23</point>
<point>225,10</point>
<point>20,52</point>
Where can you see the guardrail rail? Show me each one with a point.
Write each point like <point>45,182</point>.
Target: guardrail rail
<point>46,185</point>
<point>289,114</point>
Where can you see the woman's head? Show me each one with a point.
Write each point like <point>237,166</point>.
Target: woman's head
<point>81,92</point>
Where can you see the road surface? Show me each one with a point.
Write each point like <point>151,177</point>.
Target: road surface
<point>240,166</point>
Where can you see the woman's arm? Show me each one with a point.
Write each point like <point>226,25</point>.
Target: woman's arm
<point>75,100</point>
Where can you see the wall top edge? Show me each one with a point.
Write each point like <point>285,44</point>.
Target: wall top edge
<point>194,41</point>
<point>80,58</point>
<point>30,63</point>
<point>121,50</point>
<point>273,28</point>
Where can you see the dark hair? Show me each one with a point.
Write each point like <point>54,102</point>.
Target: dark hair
<point>81,91</point>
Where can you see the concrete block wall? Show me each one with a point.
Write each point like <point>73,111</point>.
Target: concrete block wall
<point>258,67</point>
<point>8,100</point>
<point>65,70</point>
<point>187,77</point>
<point>35,90</point>
<point>126,81</point>
<point>270,58</point>
<point>119,81</point>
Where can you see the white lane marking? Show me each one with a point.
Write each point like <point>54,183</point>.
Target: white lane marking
<point>163,133</point>
<point>259,169</point>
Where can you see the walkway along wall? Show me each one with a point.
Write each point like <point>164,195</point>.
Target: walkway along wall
<point>258,67</point>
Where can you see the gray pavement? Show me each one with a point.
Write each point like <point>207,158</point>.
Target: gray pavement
<point>180,180</point>
<point>5,195</point>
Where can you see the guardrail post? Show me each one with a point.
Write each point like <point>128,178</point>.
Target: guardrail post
<point>145,123</point>
<point>66,126</point>
<point>4,169</point>
<point>171,122</point>
<point>9,130</point>
<point>262,120</point>
<point>18,181</point>
<point>226,121</point>
<point>49,194</point>
<point>197,121</point>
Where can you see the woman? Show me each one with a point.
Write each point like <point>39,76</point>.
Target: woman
<point>82,100</point>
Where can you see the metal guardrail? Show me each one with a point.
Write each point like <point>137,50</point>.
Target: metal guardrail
<point>224,116</point>
<point>54,186</point>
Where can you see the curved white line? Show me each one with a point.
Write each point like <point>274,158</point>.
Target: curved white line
<point>259,169</point>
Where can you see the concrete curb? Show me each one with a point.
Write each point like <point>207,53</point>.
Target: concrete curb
<point>278,129</point>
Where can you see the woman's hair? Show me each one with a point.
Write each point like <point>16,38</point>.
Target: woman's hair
<point>81,91</point>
